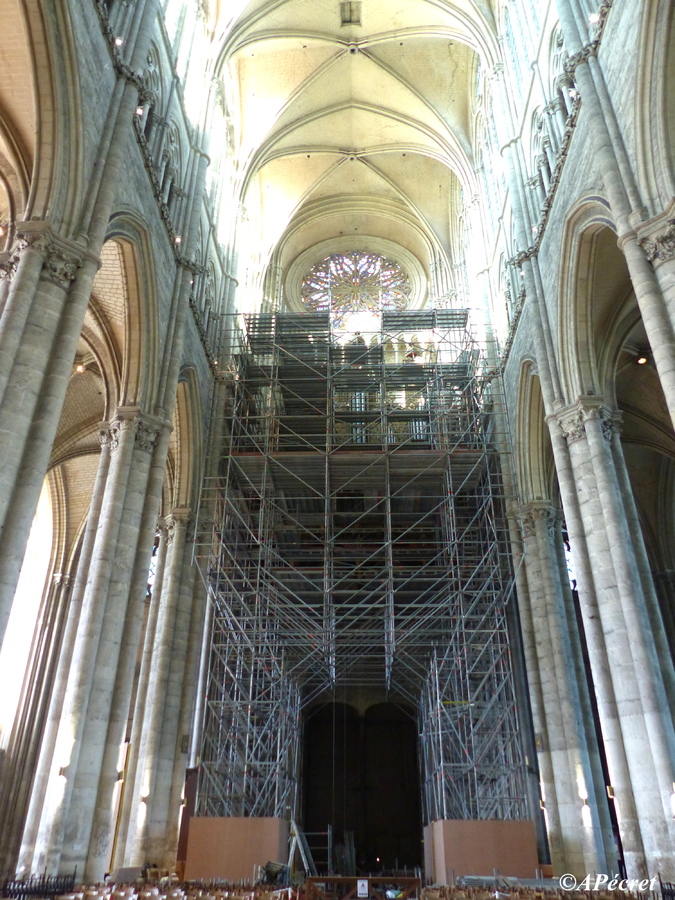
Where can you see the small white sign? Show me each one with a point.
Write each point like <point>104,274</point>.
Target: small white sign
<point>362,887</point>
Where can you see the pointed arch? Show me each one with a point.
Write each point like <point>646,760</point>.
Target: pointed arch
<point>533,452</point>
<point>655,104</point>
<point>577,295</point>
<point>135,271</point>
<point>186,445</point>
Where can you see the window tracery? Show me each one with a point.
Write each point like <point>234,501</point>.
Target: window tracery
<point>356,282</point>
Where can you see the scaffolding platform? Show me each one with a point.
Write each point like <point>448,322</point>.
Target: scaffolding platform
<point>352,534</point>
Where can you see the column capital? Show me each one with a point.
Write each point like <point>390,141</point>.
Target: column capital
<point>537,511</point>
<point>147,433</point>
<point>60,579</point>
<point>146,428</point>
<point>582,56</point>
<point>179,516</point>
<point>656,236</point>
<point>521,258</point>
<point>8,263</point>
<point>572,419</point>
<point>61,258</point>
<point>108,436</point>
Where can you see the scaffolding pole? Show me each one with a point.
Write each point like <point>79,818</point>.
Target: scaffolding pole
<point>358,540</point>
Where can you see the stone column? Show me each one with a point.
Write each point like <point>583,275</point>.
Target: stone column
<point>581,831</point>
<point>142,507</point>
<point>657,239</point>
<point>162,829</point>
<point>656,619</point>
<point>24,745</point>
<point>531,640</point>
<point>21,275</point>
<point>187,707</point>
<point>64,836</point>
<point>564,435</point>
<point>141,696</point>
<point>627,680</point>
<point>147,799</point>
<point>108,709</point>
<point>27,335</point>
<point>67,649</point>
<point>42,320</point>
<point>598,786</point>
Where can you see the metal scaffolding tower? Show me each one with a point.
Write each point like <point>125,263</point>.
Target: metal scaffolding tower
<point>353,536</point>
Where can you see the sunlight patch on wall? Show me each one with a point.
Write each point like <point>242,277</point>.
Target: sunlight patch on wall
<point>19,635</point>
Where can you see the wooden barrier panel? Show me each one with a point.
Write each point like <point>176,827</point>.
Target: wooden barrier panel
<point>231,848</point>
<point>454,847</point>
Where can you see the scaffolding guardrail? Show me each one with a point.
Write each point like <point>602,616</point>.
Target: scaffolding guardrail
<point>352,533</point>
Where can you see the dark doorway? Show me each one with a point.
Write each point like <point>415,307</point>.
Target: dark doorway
<point>362,775</point>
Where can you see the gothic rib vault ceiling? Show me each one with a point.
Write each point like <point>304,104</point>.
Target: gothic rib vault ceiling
<point>362,130</point>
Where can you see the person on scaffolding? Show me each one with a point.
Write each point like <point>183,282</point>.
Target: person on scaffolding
<point>415,349</point>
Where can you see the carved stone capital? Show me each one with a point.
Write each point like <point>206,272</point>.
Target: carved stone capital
<point>39,241</point>
<point>660,247</point>
<point>61,268</point>
<point>179,516</point>
<point>108,436</point>
<point>572,425</point>
<point>573,419</point>
<point>8,264</point>
<point>147,97</point>
<point>518,260</point>
<point>60,580</point>
<point>147,433</point>
<point>608,421</point>
<point>527,523</point>
<point>62,259</point>
<point>582,56</point>
<point>538,511</point>
<point>117,429</point>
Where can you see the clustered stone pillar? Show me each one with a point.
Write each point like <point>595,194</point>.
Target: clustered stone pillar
<point>30,831</point>
<point>634,713</point>
<point>566,746</point>
<point>31,333</point>
<point>621,618</point>
<point>85,720</point>
<point>149,808</point>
